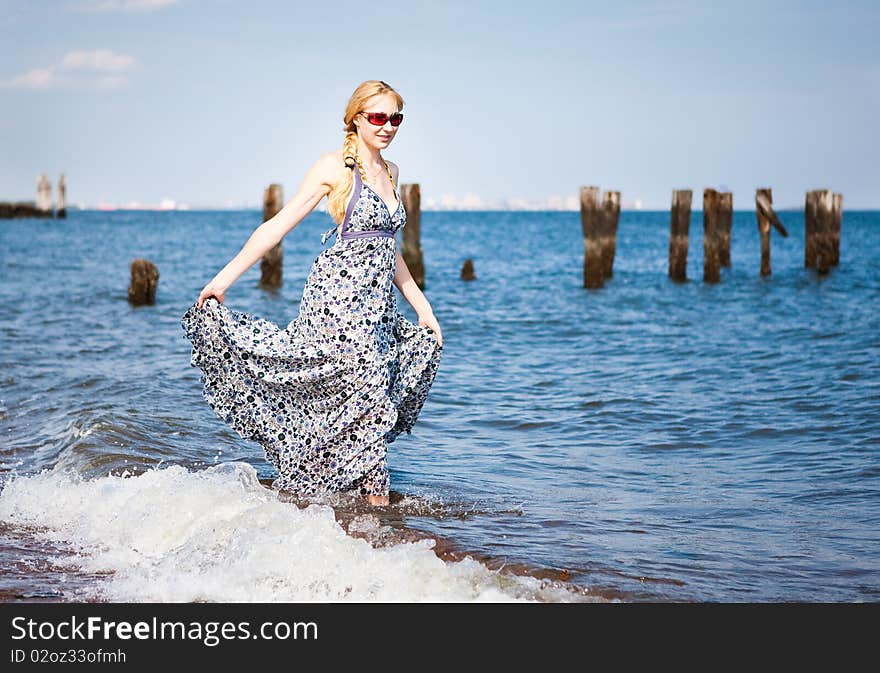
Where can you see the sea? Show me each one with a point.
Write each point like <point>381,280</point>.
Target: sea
<point>647,441</point>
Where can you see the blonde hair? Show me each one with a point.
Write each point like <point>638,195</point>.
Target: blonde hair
<point>337,199</point>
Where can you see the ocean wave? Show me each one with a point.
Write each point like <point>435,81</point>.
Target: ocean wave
<point>217,534</point>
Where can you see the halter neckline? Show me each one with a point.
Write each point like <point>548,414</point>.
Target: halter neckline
<point>383,200</point>
<point>396,193</point>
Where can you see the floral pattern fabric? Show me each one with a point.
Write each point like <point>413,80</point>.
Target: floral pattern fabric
<point>325,395</point>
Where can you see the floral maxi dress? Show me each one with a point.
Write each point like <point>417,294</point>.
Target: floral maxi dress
<point>327,394</point>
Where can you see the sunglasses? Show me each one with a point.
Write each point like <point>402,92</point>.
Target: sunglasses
<point>380,118</point>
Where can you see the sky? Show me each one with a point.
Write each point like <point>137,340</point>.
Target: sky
<point>204,103</point>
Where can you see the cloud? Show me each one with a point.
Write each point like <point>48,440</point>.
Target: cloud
<point>98,59</point>
<point>38,78</point>
<point>122,5</point>
<point>96,69</point>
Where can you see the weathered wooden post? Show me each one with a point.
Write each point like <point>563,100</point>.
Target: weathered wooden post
<point>725,225</point>
<point>591,228</point>
<point>411,246</point>
<point>824,217</point>
<point>836,217</point>
<point>609,216</point>
<point>61,210</point>
<point>763,207</point>
<point>271,264</point>
<point>678,233</point>
<point>467,270</point>
<point>763,202</point>
<point>711,258</point>
<point>144,280</point>
<point>766,216</point>
<point>818,217</point>
<point>810,230</point>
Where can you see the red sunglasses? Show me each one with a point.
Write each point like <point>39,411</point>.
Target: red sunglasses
<point>380,118</point>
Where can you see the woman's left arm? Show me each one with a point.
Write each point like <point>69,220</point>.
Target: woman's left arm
<point>407,285</point>
<point>412,292</point>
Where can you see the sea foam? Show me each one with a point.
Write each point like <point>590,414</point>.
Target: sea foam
<point>217,534</point>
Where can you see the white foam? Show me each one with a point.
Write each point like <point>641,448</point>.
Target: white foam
<point>174,535</point>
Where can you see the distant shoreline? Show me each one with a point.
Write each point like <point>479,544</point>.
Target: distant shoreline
<point>249,209</point>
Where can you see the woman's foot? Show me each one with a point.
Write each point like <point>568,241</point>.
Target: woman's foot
<point>378,499</point>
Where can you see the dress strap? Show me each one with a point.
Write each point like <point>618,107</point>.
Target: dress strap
<point>355,194</point>
<point>354,197</point>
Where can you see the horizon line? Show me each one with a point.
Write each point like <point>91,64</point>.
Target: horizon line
<point>251,208</point>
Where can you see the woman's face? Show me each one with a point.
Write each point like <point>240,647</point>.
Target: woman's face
<point>378,136</point>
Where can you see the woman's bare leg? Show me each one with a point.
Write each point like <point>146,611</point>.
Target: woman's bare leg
<point>376,483</point>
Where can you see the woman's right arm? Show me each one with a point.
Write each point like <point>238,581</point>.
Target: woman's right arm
<point>316,185</point>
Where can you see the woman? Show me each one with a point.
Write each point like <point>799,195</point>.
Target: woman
<point>326,394</point>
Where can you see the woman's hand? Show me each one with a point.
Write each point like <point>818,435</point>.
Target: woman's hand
<point>212,289</point>
<point>428,320</point>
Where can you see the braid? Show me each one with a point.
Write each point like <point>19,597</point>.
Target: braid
<point>350,155</point>
<point>338,197</point>
<point>349,149</point>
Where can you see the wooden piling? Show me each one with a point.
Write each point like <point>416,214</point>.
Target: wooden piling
<point>609,216</point>
<point>411,246</point>
<point>766,216</point>
<point>271,264</point>
<point>810,230</point>
<point>836,217</point>
<point>725,225</point>
<point>763,204</point>
<point>61,210</point>
<point>818,225</point>
<point>591,228</point>
<point>679,227</point>
<point>711,257</point>
<point>144,280</point>
<point>824,217</point>
<point>467,270</point>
